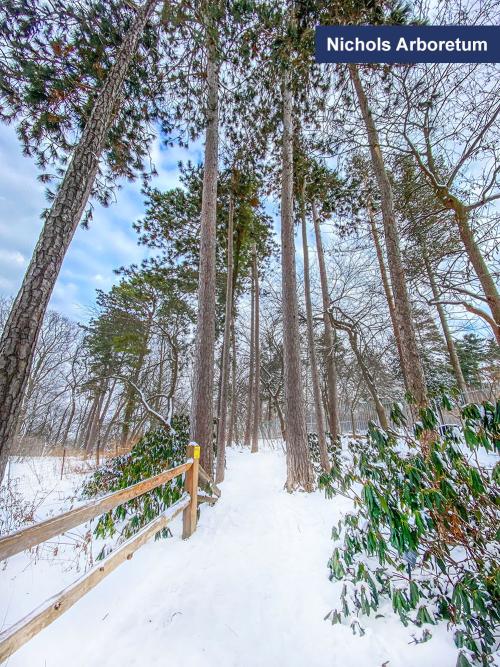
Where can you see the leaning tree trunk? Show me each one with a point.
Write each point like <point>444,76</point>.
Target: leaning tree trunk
<point>249,415</point>
<point>91,424</point>
<point>256,382</point>
<point>452,351</point>
<point>410,356</point>
<point>221,430</point>
<point>318,404</point>
<point>299,470</point>
<point>69,421</point>
<point>81,429</point>
<point>461,216</point>
<point>20,334</point>
<point>202,403</point>
<point>477,260</point>
<point>130,393</point>
<point>281,418</point>
<point>368,378</point>
<point>331,367</point>
<point>387,289</point>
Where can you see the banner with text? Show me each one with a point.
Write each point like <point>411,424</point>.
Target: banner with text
<point>407,44</point>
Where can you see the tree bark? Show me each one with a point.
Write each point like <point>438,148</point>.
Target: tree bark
<point>329,335</point>
<point>221,430</point>
<point>174,376</point>
<point>64,439</point>
<point>60,427</point>
<point>110,425</point>
<point>93,416</point>
<point>130,394</point>
<point>232,414</point>
<point>387,289</point>
<point>410,357</point>
<point>477,260</point>
<point>202,403</point>
<point>249,415</point>
<point>318,406</point>
<point>82,427</point>
<point>299,470</point>
<point>461,216</point>
<point>367,377</point>
<point>256,382</point>
<point>452,352</point>
<point>20,334</point>
<point>281,418</point>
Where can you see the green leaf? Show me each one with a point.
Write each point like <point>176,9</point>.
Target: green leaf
<point>462,660</point>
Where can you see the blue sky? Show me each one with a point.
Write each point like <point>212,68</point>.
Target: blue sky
<point>110,241</point>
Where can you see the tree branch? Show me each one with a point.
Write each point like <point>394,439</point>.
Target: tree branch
<point>152,411</point>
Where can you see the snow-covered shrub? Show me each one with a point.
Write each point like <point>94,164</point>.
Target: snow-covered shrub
<point>425,529</point>
<point>154,453</point>
<point>15,510</point>
<point>332,447</point>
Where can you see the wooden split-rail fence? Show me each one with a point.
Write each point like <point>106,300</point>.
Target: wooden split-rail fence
<point>18,634</point>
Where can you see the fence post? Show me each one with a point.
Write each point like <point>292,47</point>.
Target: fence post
<point>189,518</point>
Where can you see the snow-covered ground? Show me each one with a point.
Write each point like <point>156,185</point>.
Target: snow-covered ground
<point>249,589</point>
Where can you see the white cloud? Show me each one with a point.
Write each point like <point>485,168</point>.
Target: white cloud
<point>94,253</point>
<point>12,258</point>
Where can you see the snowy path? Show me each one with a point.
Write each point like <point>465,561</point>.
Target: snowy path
<point>249,589</point>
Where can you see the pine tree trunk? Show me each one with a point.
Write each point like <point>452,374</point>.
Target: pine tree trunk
<point>387,289</point>
<point>203,371</point>
<point>329,336</point>
<point>318,405</point>
<point>452,352</point>
<point>249,415</point>
<point>256,383</point>
<point>299,470</point>
<point>410,356</point>
<point>221,430</point>
<point>232,414</point>
<point>281,418</point>
<point>20,334</point>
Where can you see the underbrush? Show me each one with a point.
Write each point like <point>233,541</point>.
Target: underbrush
<point>425,529</point>
<point>333,449</point>
<point>15,510</point>
<point>154,453</point>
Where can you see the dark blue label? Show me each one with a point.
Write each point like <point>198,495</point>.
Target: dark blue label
<point>407,44</point>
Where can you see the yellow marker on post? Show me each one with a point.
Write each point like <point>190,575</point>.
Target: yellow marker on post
<point>191,487</point>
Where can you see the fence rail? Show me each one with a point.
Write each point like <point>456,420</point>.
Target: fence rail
<point>45,530</point>
<point>18,634</point>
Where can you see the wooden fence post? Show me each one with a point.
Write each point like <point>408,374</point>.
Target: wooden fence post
<point>191,487</point>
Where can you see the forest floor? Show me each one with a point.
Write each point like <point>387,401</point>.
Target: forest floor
<point>249,589</point>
